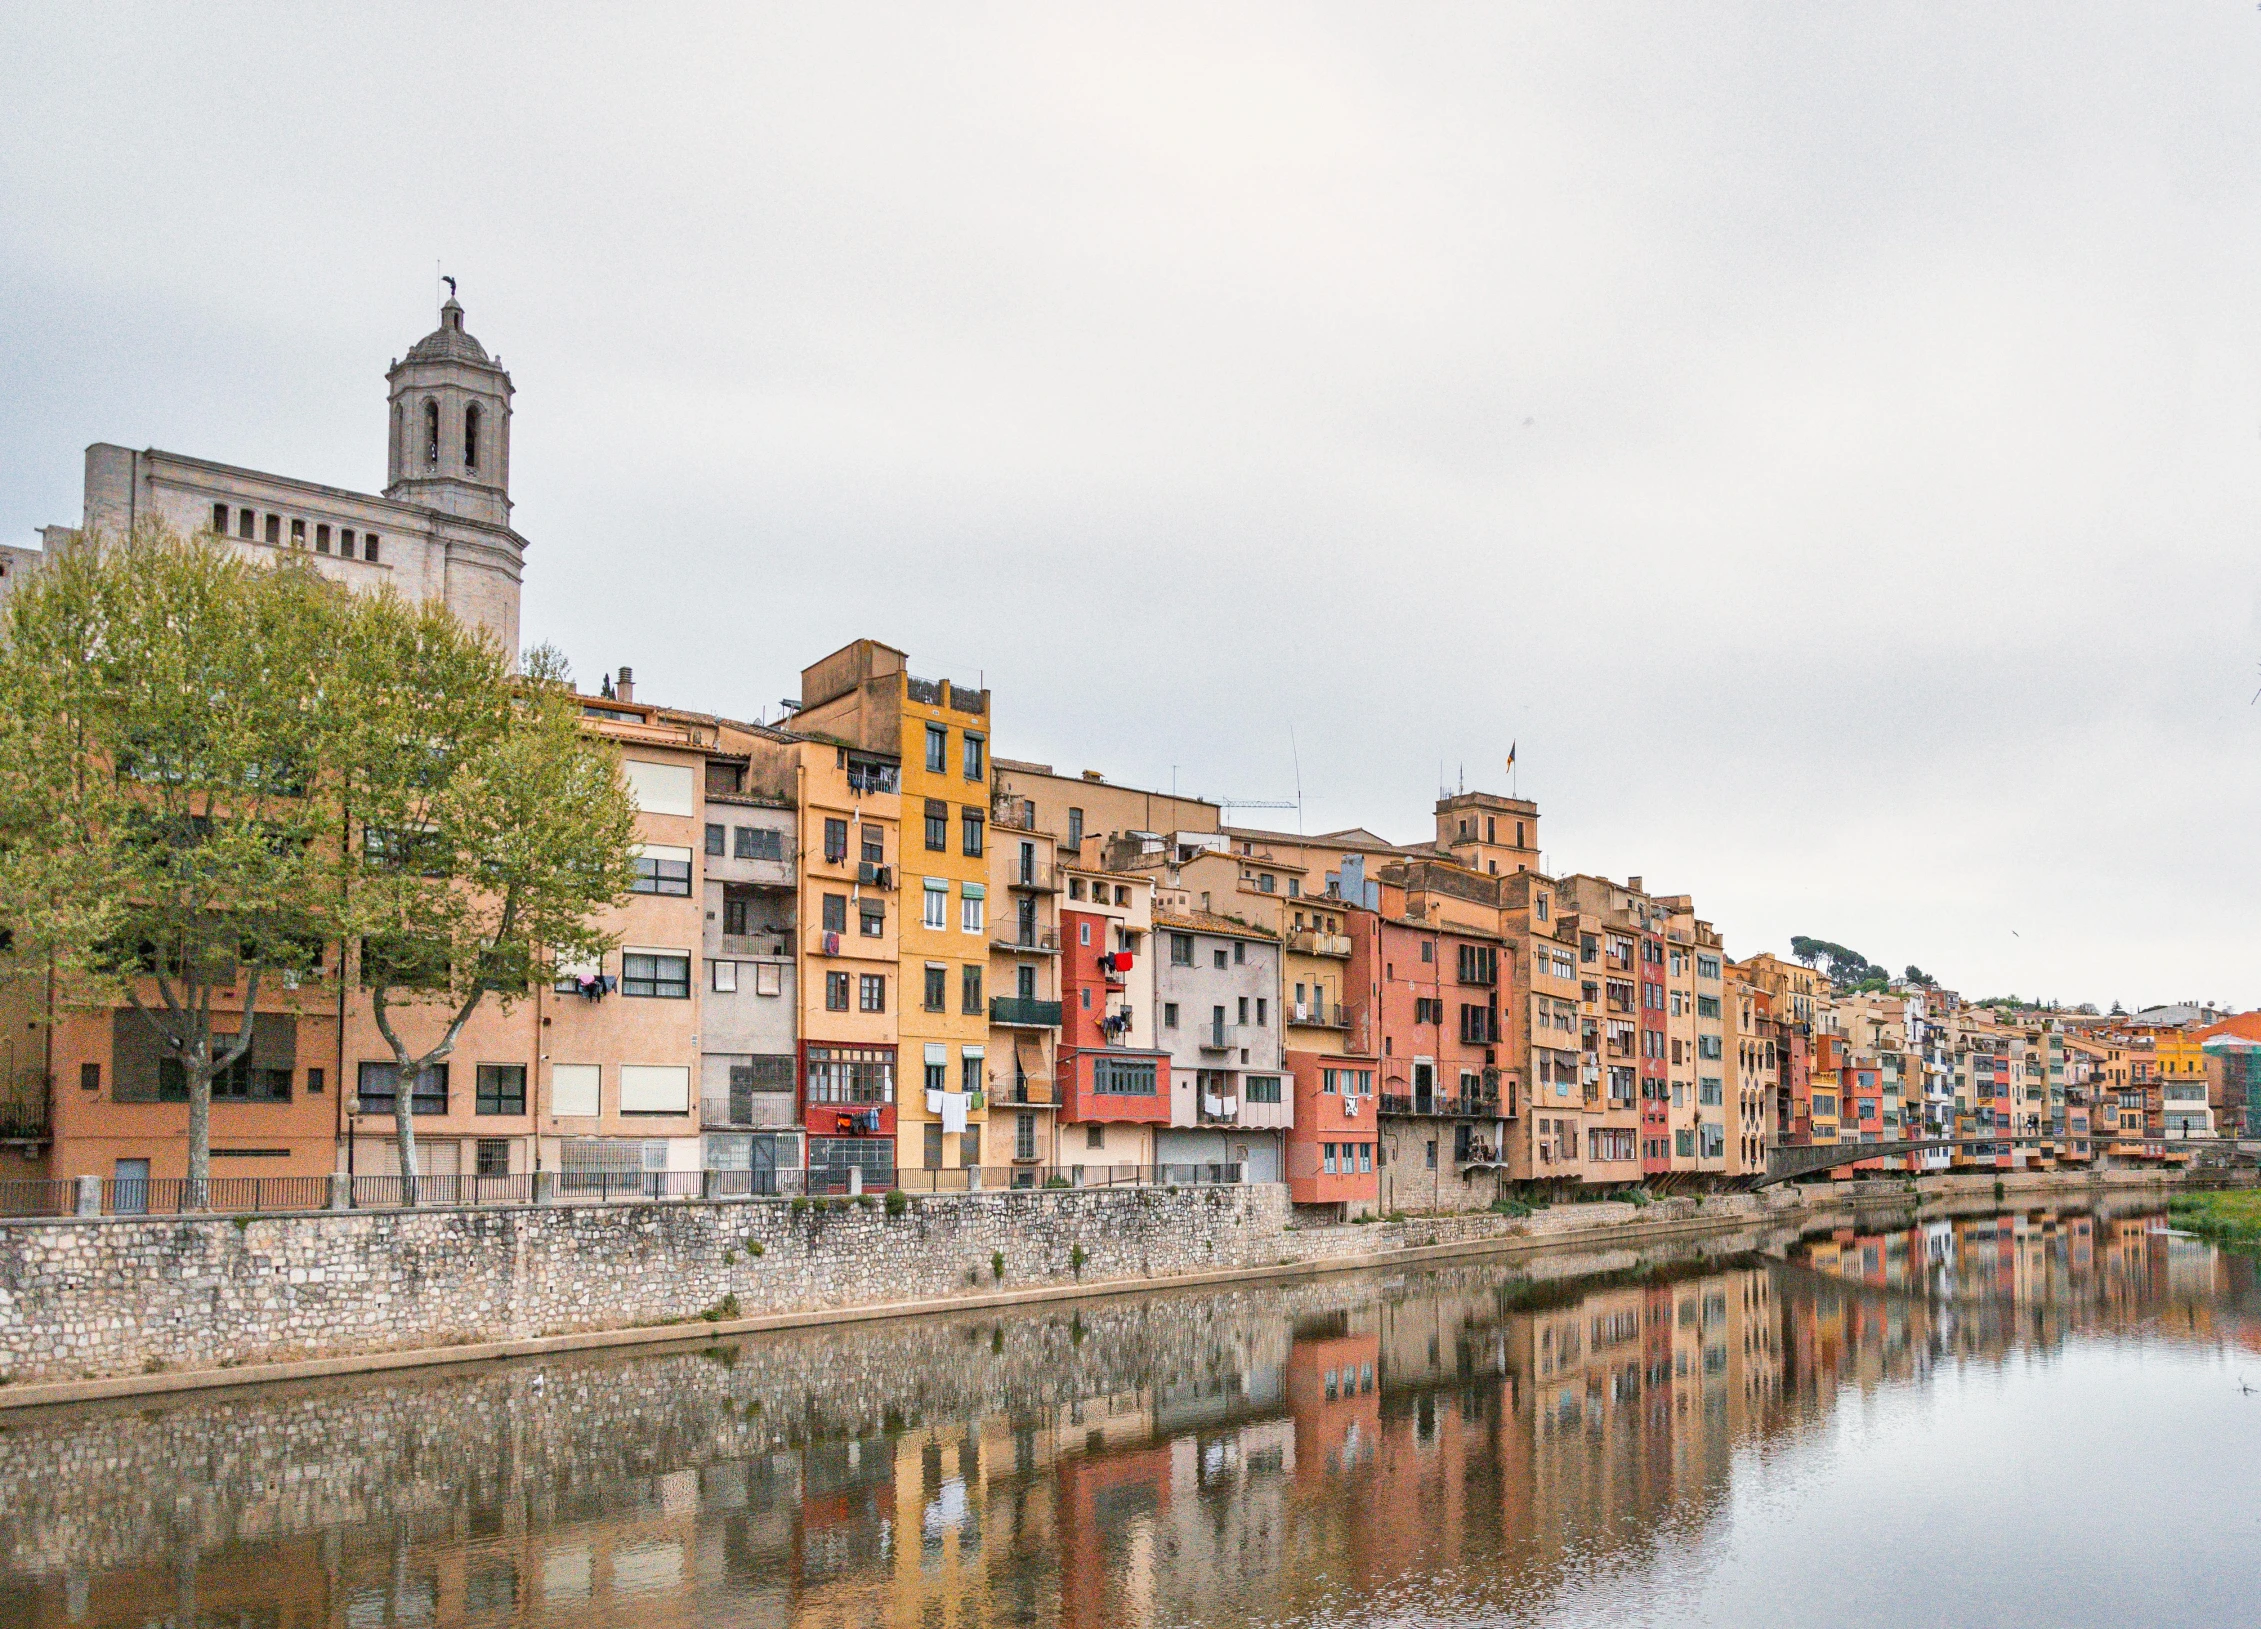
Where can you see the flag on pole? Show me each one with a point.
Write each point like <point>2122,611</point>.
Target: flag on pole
<point>1511,757</point>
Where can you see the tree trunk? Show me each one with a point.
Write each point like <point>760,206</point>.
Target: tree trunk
<point>199,1136</point>
<point>404,1124</point>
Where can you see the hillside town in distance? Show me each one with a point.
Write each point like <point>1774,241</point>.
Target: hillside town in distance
<point>870,947</point>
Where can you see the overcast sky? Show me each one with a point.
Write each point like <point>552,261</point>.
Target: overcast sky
<point>1825,438</point>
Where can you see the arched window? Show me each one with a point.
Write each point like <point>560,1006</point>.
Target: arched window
<point>471,437</point>
<point>431,431</point>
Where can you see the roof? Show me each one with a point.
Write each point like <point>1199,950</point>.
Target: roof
<point>1206,922</point>
<point>449,342</point>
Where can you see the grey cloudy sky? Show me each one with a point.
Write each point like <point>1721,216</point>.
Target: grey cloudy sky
<point>1825,438</point>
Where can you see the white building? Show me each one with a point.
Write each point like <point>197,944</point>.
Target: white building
<point>441,530</point>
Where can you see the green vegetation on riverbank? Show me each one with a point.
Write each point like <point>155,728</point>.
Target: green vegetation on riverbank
<point>2231,1219</point>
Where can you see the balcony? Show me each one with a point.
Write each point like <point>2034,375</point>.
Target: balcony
<point>1322,1014</point>
<point>1310,942</point>
<point>23,1115</point>
<point>1211,1110</point>
<point>1034,878</point>
<point>1439,1106</point>
<point>1025,1092</point>
<point>1022,1012</point>
<point>1217,1039</point>
<point>1029,942</point>
<point>746,946</point>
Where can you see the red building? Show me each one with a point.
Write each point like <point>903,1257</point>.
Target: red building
<point>1333,1149</point>
<point>1431,994</point>
<point>1106,1079</point>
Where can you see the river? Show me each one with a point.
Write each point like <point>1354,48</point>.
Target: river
<point>2047,1416</point>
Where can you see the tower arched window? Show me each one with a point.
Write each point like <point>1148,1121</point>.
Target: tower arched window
<point>471,437</point>
<point>431,431</point>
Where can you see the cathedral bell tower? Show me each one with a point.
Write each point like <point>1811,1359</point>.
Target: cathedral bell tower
<point>450,431</point>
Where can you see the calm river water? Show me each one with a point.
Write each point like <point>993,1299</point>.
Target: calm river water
<point>2048,1416</point>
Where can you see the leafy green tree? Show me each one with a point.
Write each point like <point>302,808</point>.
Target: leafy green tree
<point>163,840</point>
<point>490,830</point>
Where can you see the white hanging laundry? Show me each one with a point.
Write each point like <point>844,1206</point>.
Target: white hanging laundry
<point>953,1111</point>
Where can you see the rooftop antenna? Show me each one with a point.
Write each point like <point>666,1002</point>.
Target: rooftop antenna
<point>1298,757</point>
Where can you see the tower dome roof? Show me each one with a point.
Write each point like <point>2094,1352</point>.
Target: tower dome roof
<point>449,342</point>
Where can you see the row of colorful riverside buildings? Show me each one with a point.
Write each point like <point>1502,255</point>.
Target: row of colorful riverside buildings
<point>865,941</point>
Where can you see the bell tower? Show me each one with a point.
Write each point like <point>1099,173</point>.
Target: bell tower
<point>450,424</point>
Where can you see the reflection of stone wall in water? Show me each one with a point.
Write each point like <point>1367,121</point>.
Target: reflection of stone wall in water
<point>102,1487</point>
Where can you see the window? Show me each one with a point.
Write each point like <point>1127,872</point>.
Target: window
<point>369,545</point>
<point>1169,1015</point>
<point>937,750</point>
<point>1709,1091</point>
<point>494,1156</point>
<point>937,898</point>
<point>1263,1011</point>
<point>1221,959</point>
<point>662,871</point>
<point>871,992</point>
<point>1714,1141</point>
<point>1083,933</point>
<point>1707,1006</point>
<point>1024,1135</point>
<point>875,844</point>
<point>1123,1077</point>
<point>714,841</point>
<point>1075,887</point>
<point>1365,1157</point>
<point>937,986</point>
<point>757,843</point>
<point>220,518</point>
<point>345,542</point>
<point>835,913</point>
<point>574,1088</point>
<point>937,826</point>
<point>298,534</point>
<point>274,528</point>
<point>379,1085</point>
<point>1181,950</point>
<point>1263,1088</point>
<point>975,765</point>
<point>661,973</point>
<point>1095,1136</point>
<point>1707,967</point>
<point>1025,977</point>
<point>970,832</point>
<point>1075,816</point>
<point>1240,953</point>
<point>722,977</point>
<point>1479,964</point>
<point>471,437</point>
<point>835,992</point>
<point>970,979</point>
<point>851,1074</point>
<point>1432,1153</point>
<point>970,906</point>
<point>313,1082</point>
<point>1240,1013</point>
<point>1428,950</point>
<point>871,918</point>
<point>431,431</point>
<point>1709,1046</point>
<point>835,841</point>
<point>502,1089</point>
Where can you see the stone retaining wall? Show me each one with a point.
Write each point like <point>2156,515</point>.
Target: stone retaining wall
<point>96,1298</point>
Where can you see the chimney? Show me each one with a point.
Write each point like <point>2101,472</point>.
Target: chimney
<point>626,689</point>
<point>1633,883</point>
